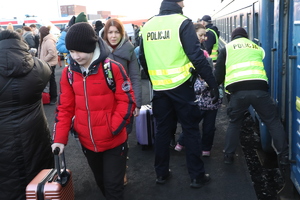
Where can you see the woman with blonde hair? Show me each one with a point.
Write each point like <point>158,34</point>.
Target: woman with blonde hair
<point>10,27</point>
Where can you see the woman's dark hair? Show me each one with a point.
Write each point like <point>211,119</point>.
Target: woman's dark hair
<point>198,26</point>
<point>9,34</point>
<point>113,22</point>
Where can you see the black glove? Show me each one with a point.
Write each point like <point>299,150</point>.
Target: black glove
<point>214,93</point>
<point>194,76</point>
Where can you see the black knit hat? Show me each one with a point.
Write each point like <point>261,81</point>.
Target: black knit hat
<point>239,31</point>
<point>81,37</point>
<point>173,0</point>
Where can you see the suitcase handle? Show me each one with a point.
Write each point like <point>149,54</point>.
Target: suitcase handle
<point>60,162</point>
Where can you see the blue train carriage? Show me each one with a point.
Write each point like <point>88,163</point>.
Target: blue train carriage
<point>294,89</point>
<point>275,26</point>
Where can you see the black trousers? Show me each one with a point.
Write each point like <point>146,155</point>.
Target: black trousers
<point>109,169</point>
<point>265,106</point>
<point>53,85</point>
<point>168,107</point>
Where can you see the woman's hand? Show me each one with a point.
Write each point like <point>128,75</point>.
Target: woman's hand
<point>136,112</point>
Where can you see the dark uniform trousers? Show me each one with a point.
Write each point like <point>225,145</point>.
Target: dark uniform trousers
<point>265,106</point>
<point>53,85</point>
<point>109,168</point>
<point>168,106</point>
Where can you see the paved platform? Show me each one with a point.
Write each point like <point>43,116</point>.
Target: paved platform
<point>228,182</point>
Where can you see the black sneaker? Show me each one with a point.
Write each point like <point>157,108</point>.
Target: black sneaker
<point>198,183</point>
<point>162,179</point>
<point>228,158</point>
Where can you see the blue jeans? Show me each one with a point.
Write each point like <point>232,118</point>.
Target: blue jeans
<point>265,106</point>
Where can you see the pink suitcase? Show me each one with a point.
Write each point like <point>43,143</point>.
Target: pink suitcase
<point>50,185</point>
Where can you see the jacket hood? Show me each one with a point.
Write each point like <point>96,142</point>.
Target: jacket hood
<point>104,53</point>
<point>167,7</point>
<point>12,53</point>
<point>49,37</point>
<point>211,26</point>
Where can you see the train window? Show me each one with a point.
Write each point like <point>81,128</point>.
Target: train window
<point>227,31</point>
<point>255,29</point>
<point>234,22</point>
<point>230,26</point>
<point>249,26</point>
<point>241,20</point>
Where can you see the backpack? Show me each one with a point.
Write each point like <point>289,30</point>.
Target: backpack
<point>107,73</point>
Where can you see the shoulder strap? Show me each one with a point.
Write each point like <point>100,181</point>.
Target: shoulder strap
<point>70,75</point>
<point>109,77</point>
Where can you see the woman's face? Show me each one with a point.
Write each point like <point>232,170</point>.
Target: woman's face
<point>201,33</point>
<point>113,35</point>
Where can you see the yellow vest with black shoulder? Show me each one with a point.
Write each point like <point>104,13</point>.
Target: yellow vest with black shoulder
<point>168,65</point>
<point>214,51</point>
<point>244,62</point>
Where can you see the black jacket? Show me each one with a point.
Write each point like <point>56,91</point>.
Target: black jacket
<point>24,134</point>
<point>190,43</point>
<point>211,38</point>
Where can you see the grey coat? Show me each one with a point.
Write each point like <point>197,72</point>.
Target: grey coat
<point>124,54</point>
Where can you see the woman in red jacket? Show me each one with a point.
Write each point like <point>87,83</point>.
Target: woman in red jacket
<point>98,93</point>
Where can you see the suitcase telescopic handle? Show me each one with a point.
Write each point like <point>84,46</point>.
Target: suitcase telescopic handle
<point>63,176</point>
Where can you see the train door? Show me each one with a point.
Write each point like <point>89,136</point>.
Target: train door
<point>294,95</point>
<point>279,55</point>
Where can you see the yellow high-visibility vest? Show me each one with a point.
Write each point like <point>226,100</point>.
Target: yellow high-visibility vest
<point>244,62</point>
<point>168,65</point>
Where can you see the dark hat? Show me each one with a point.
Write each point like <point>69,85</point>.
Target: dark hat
<point>81,37</point>
<point>173,0</point>
<point>71,21</point>
<point>81,18</point>
<point>98,23</point>
<point>206,18</point>
<point>239,31</point>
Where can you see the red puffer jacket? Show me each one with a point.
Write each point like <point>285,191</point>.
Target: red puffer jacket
<point>100,113</point>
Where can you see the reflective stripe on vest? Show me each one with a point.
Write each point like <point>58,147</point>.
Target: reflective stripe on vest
<point>182,71</point>
<point>168,65</point>
<point>244,62</point>
<point>214,51</point>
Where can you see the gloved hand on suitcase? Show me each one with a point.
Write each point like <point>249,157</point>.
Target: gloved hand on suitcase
<point>60,146</point>
<point>214,94</point>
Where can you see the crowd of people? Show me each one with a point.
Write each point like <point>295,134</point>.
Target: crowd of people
<point>188,73</point>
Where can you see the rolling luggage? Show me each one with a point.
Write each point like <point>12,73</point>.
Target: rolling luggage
<point>145,127</point>
<point>45,98</point>
<point>52,184</point>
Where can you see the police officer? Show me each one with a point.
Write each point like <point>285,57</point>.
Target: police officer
<point>169,48</point>
<point>212,37</point>
<point>240,65</point>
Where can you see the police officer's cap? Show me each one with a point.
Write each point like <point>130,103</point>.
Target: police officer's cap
<point>206,18</point>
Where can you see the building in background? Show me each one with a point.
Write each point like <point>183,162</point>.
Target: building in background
<point>67,10</point>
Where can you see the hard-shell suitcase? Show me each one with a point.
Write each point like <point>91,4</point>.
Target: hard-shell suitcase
<point>45,98</point>
<point>145,126</point>
<point>52,184</point>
